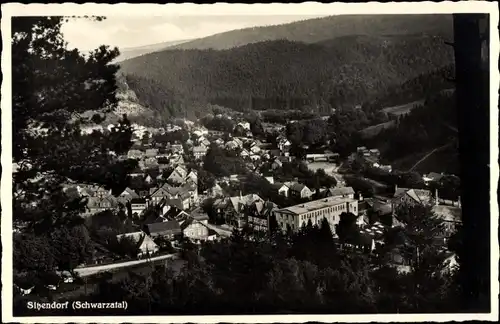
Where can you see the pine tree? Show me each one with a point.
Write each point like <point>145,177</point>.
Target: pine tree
<point>52,87</point>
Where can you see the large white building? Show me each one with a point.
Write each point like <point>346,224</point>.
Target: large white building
<point>295,217</point>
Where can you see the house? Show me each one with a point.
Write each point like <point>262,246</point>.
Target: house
<point>99,204</point>
<point>169,229</point>
<point>216,191</point>
<point>134,154</point>
<point>159,194</point>
<point>199,151</point>
<point>345,192</point>
<point>151,153</point>
<point>177,148</point>
<point>244,125</point>
<point>259,213</point>
<point>195,230</point>
<point>270,179</point>
<point>276,164</point>
<point>171,210</point>
<point>361,149</point>
<point>413,196</point>
<point>432,177</point>
<point>138,205</point>
<point>282,189</point>
<point>299,190</point>
<point>177,160</point>
<point>178,175</point>
<point>127,195</point>
<point>205,143</point>
<point>149,179</point>
<point>244,153</point>
<point>193,176</point>
<point>233,209</point>
<point>150,162</point>
<point>145,243</point>
<point>255,149</point>
<point>451,217</point>
<point>255,157</point>
<point>284,145</point>
<point>231,145</point>
<point>238,142</point>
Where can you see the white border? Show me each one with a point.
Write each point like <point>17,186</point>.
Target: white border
<point>307,8</point>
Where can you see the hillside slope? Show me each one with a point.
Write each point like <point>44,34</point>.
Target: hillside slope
<point>282,74</point>
<point>321,29</point>
<point>131,52</point>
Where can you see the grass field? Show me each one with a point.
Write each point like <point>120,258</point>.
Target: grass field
<point>375,129</point>
<point>403,109</point>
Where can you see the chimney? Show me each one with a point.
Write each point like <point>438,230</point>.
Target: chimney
<point>395,188</point>
<point>360,196</point>
<point>459,201</point>
<point>436,197</point>
<point>241,196</point>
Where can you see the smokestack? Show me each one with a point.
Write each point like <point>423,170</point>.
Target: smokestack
<point>436,197</point>
<point>395,188</point>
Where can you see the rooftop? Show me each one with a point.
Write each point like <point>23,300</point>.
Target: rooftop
<point>168,226</point>
<point>341,191</point>
<point>315,205</point>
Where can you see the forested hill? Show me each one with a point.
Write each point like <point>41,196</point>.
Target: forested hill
<point>131,52</point>
<point>341,72</point>
<point>321,29</point>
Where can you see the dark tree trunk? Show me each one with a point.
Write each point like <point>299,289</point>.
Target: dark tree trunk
<point>472,91</point>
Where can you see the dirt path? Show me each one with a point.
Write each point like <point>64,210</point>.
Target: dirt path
<point>429,154</point>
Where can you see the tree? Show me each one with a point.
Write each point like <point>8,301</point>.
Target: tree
<point>33,253</point>
<point>52,87</point>
<point>71,247</point>
<point>256,127</point>
<point>120,136</point>
<point>347,229</point>
<point>206,180</point>
<point>419,246</point>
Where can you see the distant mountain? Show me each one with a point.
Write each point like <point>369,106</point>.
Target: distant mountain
<point>283,74</point>
<point>131,52</point>
<point>327,28</point>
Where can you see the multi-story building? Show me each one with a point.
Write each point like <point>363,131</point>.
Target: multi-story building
<point>199,151</point>
<point>294,217</point>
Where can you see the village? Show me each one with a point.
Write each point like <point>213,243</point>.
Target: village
<point>168,201</point>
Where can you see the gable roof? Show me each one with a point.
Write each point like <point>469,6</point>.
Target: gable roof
<point>421,196</point>
<point>297,187</point>
<point>244,200</point>
<point>95,202</point>
<point>129,193</point>
<point>435,176</point>
<point>342,191</point>
<point>168,227</point>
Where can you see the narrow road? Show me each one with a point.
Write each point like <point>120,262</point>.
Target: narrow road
<point>88,271</point>
<point>338,177</point>
<point>429,154</point>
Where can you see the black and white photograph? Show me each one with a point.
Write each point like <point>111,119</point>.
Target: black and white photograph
<point>250,163</point>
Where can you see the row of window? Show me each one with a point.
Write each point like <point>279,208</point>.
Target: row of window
<point>325,211</point>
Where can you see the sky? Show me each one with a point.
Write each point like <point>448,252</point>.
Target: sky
<point>129,32</point>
